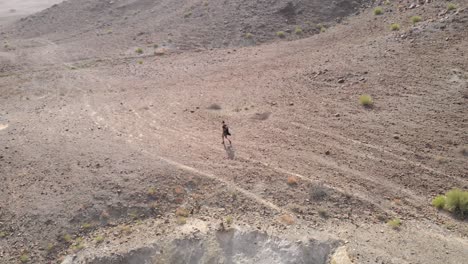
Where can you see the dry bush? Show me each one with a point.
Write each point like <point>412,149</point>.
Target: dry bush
<point>293,181</point>
<point>287,219</point>
<point>182,212</point>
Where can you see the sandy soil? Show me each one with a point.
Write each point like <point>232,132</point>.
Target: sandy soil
<point>91,144</point>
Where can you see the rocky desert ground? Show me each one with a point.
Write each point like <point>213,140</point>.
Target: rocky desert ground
<point>110,131</point>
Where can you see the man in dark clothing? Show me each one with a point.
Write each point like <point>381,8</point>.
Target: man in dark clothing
<point>226,133</point>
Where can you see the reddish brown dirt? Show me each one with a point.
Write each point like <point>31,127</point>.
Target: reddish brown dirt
<point>90,141</point>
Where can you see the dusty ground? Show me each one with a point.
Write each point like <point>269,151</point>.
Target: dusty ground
<point>96,139</point>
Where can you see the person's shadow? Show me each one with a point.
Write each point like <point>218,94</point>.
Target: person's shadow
<point>231,154</point>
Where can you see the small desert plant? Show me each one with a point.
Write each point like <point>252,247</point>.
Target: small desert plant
<point>87,226</point>
<point>395,27</point>
<point>292,181</point>
<point>3,234</point>
<point>125,230</point>
<point>78,245</point>
<point>50,247</point>
<point>415,19</point>
<point>439,202</point>
<point>394,223</point>
<point>387,2</point>
<point>151,191</point>
<point>281,34</point>
<point>287,219</point>
<point>249,35</point>
<point>181,220</point>
<point>457,201</point>
<point>451,6</point>
<point>155,46</point>
<point>318,192</point>
<point>366,100</point>
<point>298,31</point>
<point>67,238</point>
<point>139,51</point>
<point>188,14</point>
<point>182,212</point>
<point>229,220</point>
<point>378,11</point>
<point>99,239</point>
<point>323,213</point>
<point>140,62</point>
<point>24,258</point>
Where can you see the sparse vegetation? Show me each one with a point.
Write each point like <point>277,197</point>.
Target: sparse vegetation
<point>50,247</point>
<point>456,201</point>
<point>188,14</point>
<point>125,230</point>
<point>139,51</point>
<point>181,220</point>
<point>439,202</point>
<point>3,234</point>
<point>451,6</point>
<point>67,238</point>
<point>415,19</point>
<point>151,191</point>
<point>281,34</point>
<point>229,220</point>
<point>318,192</point>
<point>78,245</point>
<point>292,181</point>
<point>287,219</point>
<point>99,239</point>
<point>86,226</point>
<point>395,27</point>
<point>366,100</point>
<point>394,223</point>
<point>155,46</point>
<point>378,11</point>
<point>140,62</point>
<point>323,213</point>
<point>387,2</point>
<point>182,212</point>
<point>298,30</point>
<point>24,258</point>
<point>249,35</point>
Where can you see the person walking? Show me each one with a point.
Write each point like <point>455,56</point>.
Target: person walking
<point>226,133</point>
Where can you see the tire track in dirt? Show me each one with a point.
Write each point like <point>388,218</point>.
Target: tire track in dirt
<point>378,148</point>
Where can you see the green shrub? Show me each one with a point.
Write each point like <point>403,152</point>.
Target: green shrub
<point>395,27</point>
<point>249,35</point>
<point>378,11</point>
<point>439,202</point>
<point>457,201</point>
<point>298,31</point>
<point>387,2</point>
<point>366,100</point>
<point>394,223</point>
<point>99,239</point>
<point>451,6</point>
<point>24,258</point>
<point>281,34</point>
<point>323,29</point>
<point>139,51</point>
<point>415,19</point>
<point>188,14</point>
<point>229,220</point>
<point>3,234</point>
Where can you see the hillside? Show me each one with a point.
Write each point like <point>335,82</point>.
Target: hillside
<point>111,156</point>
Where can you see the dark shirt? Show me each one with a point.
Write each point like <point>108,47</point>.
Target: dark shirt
<point>226,130</point>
